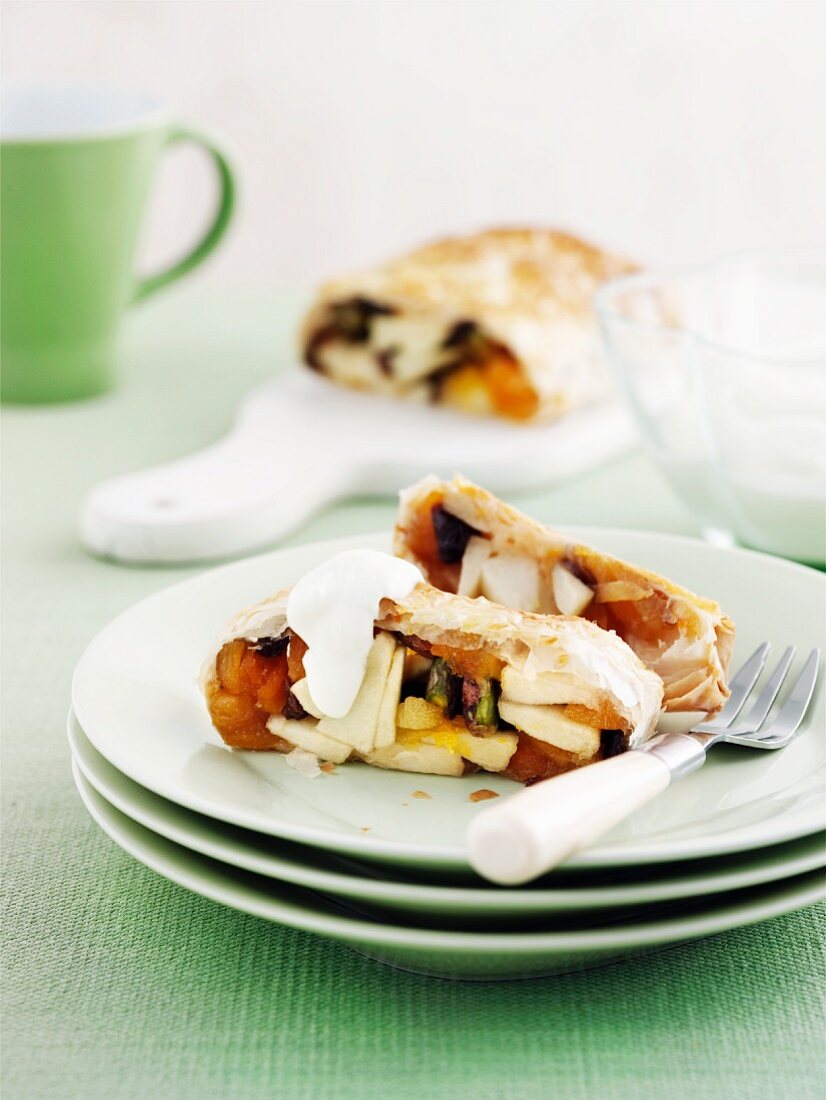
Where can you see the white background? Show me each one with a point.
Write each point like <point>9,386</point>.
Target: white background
<point>671,130</point>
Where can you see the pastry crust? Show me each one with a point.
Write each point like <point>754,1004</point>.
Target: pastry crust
<point>603,670</point>
<point>686,639</point>
<point>528,291</point>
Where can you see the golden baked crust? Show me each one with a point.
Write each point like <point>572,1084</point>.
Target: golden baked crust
<point>504,273</point>
<point>686,639</point>
<point>528,290</point>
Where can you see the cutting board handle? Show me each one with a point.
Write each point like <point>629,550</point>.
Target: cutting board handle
<point>300,443</point>
<point>236,496</point>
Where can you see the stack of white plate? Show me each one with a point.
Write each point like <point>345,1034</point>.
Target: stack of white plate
<point>376,859</point>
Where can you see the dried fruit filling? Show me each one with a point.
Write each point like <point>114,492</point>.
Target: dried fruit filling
<point>250,686</point>
<point>253,681</point>
<point>438,540</point>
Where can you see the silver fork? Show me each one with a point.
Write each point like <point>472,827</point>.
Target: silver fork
<point>531,832</point>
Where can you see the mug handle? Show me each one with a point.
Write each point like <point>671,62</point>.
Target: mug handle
<point>217,229</point>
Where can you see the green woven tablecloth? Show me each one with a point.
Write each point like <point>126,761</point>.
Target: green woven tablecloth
<point>119,984</point>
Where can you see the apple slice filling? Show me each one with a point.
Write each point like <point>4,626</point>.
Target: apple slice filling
<point>421,708</point>
<point>461,558</point>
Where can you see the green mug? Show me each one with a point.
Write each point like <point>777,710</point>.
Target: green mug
<point>75,175</point>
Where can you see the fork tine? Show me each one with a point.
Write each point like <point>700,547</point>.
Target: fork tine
<point>741,687</point>
<point>797,702</point>
<point>757,714</point>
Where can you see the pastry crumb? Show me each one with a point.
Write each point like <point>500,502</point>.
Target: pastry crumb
<point>305,763</point>
<point>328,766</point>
<point>482,795</point>
<point>421,794</point>
<point>365,828</point>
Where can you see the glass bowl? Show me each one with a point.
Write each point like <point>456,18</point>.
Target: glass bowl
<point>724,367</point>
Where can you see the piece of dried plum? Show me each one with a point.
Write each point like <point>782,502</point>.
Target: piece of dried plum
<point>273,647</point>
<point>418,645</point>
<point>354,317</point>
<point>612,743</point>
<point>459,334</point>
<point>317,340</point>
<point>385,360</point>
<point>293,709</point>
<point>452,534</point>
<point>579,571</point>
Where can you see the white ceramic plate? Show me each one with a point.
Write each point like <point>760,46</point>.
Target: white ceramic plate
<point>469,955</point>
<point>596,892</point>
<point>136,697</point>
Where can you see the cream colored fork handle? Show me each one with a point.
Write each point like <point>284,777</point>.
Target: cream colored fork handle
<point>531,832</point>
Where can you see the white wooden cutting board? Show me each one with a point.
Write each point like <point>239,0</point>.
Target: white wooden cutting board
<point>300,443</point>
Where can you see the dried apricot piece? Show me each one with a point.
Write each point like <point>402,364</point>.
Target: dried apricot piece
<point>511,392</point>
<point>272,693</point>
<point>604,718</point>
<point>228,665</point>
<point>233,714</point>
<point>420,537</point>
<point>295,658</point>
<point>475,664</point>
<point>535,759</point>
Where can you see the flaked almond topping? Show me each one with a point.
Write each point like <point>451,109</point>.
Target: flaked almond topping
<point>618,591</point>
<point>482,795</point>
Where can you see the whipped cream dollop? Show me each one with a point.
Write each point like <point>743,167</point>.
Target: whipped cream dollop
<point>333,608</point>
